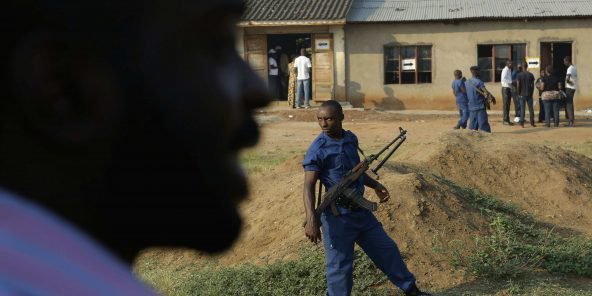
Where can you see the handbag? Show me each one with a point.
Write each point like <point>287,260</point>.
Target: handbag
<point>550,95</point>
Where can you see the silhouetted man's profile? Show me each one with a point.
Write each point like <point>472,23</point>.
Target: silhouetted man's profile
<point>123,118</point>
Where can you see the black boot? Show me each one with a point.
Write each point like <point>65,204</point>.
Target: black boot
<point>414,291</point>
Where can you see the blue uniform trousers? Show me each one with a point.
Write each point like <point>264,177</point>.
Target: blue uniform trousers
<point>361,227</point>
<point>479,121</point>
<point>464,117</point>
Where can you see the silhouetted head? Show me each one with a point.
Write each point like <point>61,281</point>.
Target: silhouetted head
<point>475,71</point>
<point>457,74</point>
<point>509,64</point>
<point>302,52</point>
<point>567,61</point>
<point>126,117</point>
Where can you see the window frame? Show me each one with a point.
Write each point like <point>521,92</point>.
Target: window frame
<point>399,59</point>
<point>492,55</point>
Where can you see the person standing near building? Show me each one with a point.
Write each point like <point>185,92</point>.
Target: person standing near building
<point>550,87</point>
<point>273,75</point>
<point>476,93</point>
<point>303,65</point>
<point>525,86</point>
<point>541,105</point>
<point>292,82</point>
<point>284,60</point>
<point>571,79</point>
<point>333,153</point>
<point>515,95</point>
<point>460,93</point>
<point>506,92</point>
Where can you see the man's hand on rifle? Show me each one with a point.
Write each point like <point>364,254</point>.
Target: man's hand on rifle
<point>382,193</point>
<point>312,229</point>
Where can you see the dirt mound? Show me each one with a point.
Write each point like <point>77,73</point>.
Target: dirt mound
<point>425,213</point>
<point>550,183</point>
<point>553,184</point>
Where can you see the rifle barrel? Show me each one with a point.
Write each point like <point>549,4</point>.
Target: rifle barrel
<point>402,134</point>
<point>383,161</point>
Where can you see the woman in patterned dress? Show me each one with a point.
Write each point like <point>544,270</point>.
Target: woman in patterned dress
<point>292,82</point>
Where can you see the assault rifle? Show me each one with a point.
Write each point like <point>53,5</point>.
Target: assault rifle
<point>342,189</point>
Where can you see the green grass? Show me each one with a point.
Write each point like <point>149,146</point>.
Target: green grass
<point>539,284</point>
<point>256,161</point>
<point>307,277</point>
<point>302,277</point>
<point>582,148</point>
<point>518,243</point>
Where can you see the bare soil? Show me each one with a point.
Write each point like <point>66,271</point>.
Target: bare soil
<point>533,168</point>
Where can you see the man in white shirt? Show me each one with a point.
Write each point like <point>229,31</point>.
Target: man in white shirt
<point>303,65</point>
<point>507,91</point>
<point>571,79</point>
<point>273,77</point>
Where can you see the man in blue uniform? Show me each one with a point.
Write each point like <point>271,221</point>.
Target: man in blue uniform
<point>460,93</point>
<point>332,154</point>
<point>475,93</point>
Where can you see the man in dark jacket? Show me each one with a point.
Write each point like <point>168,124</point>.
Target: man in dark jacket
<point>525,86</point>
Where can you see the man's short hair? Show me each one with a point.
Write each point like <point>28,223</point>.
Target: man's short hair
<point>567,59</point>
<point>334,104</point>
<point>457,73</point>
<point>475,68</point>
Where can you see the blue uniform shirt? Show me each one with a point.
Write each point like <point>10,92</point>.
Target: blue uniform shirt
<point>332,158</point>
<point>476,100</point>
<point>461,98</point>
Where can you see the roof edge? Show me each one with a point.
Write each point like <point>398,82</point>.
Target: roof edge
<point>246,24</point>
<point>470,19</point>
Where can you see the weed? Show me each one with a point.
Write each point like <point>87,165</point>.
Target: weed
<point>260,161</point>
<point>517,243</point>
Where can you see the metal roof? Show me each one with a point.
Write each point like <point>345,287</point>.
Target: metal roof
<point>295,10</point>
<point>431,10</point>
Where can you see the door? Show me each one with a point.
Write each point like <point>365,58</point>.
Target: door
<point>322,67</point>
<point>256,53</point>
<point>553,53</point>
<point>546,54</point>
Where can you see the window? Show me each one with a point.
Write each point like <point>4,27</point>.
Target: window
<point>407,64</point>
<point>492,59</point>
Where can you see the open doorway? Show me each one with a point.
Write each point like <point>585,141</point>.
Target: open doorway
<point>290,47</point>
<point>553,53</point>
